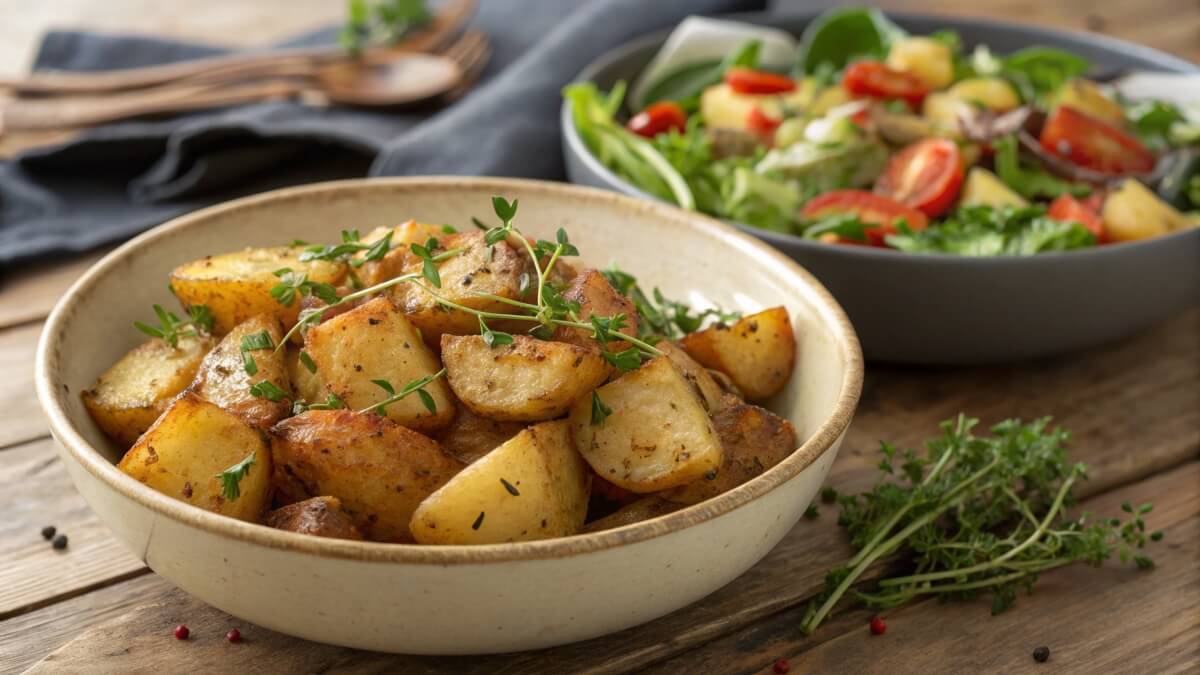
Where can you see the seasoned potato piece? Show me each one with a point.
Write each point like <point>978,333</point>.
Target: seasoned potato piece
<point>376,342</point>
<point>535,486</point>
<point>645,508</point>
<point>319,516</point>
<point>475,270</point>
<point>393,262</point>
<point>526,381</point>
<point>929,60</point>
<point>596,297</point>
<point>194,441</point>
<point>754,440</point>
<point>1133,212</point>
<point>223,378</point>
<point>131,394</point>
<point>378,469</point>
<point>657,435</point>
<point>470,436</point>
<point>694,373</point>
<point>306,384</point>
<point>757,352</point>
<point>237,286</point>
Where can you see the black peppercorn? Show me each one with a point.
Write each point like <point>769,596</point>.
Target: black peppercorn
<point>1041,654</point>
<point>60,542</point>
<point>48,532</point>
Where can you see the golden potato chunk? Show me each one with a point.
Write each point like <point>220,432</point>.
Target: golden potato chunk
<point>753,439</point>
<point>188,447</point>
<point>596,297</point>
<point>224,377</point>
<point>306,384</point>
<point>131,394</point>
<point>535,486</point>
<point>656,435</point>
<point>319,516</point>
<point>394,261</point>
<point>648,507</point>
<point>376,342</point>
<point>237,286</point>
<point>473,271</point>
<point>526,381</point>
<point>696,375</point>
<point>757,352</point>
<point>470,436</point>
<point>378,469</point>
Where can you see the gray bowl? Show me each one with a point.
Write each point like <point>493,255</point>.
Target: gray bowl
<point>940,309</point>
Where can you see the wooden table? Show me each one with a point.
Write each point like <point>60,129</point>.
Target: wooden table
<point>1134,408</point>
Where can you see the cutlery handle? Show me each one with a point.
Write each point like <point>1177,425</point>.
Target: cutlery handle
<point>57,113</point>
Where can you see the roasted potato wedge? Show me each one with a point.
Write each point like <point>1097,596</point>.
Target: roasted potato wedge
<point>376,342</point>
<point>754,440</point>
<point>319,516</point>
<point>596,297</point>
<point>473,271</point>
<point>470,436</point>
<point>526,381</point>
<point>378,469</point>
<point>194,441</point>
<point>237,286</point>
<point>656,435</point>
<point>225,380</point>
<point>694,373</point>
<point>131,394</point>
<point>393,262</point>
<point>651,506</point>
<point>535,486</point>
<point>757,352</point>
<point>306,384</point>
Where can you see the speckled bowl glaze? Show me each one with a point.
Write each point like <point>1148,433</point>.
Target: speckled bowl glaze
<point>455,600</point>
<point>942,309</point>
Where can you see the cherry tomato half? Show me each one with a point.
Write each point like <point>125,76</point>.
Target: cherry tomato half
<point>657,118</point>
<point>749,81</point>
<point>926,176</point>
<point>1068,209</point>
<point>1094,144</point>
<point>762,125</point>
<point>869,208</point>
<point>874,79</point>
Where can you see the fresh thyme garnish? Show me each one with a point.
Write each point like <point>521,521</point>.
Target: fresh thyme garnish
<point>292,284</point>
<point>307,362</point>
<point>332,402</point>
<point>661,318</point>
<point>268,390</point>
<point>478,521</point>
<point>429,262</point>
<point>252,342</point>
<point>975,514</point>
<point>599,410</point>
<point>231,478</point>
<point>345,252</point>
<point>512,489</point>
<point>493,338</point>
<point>417,385</point>
<point>170,327</point>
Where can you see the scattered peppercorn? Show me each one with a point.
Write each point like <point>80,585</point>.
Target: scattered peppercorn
<point>234,635</point>
<point>1041,654</point>
<point>181,632</point>
<point>878,627</point>
<point>60,542</point>
<point>782,666</point>
<point>48,532</point>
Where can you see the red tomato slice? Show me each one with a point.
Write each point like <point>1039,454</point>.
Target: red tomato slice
<point>749,81</point>
<point>869,208</point>
<point>1094,144</point>
<point>926,176</point>
<point>658,118</point>
<point>874,79</point>
<point>1068,209</point>
<point>762,124</point>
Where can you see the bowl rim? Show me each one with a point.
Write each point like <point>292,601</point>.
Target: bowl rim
<point>573,142</point>
<point>93,462</point>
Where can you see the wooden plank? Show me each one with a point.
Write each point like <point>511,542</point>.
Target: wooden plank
<point>21,417</point>
<point>29,292</point>
<point>39,493</point>
<point>26,639</point>
<point>1113,619</point>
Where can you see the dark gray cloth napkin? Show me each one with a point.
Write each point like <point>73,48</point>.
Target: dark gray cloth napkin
<point>120,179</point>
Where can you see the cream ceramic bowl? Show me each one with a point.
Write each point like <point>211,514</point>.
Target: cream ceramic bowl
<point>455,600</point>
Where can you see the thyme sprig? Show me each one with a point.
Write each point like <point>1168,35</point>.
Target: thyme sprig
<point>975,514</point>
<point>231,478</point>
<point>416,386</point>
<point>659,317</point>
<point>170,327</point>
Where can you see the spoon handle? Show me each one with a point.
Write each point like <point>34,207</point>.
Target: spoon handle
<point>78,111</point>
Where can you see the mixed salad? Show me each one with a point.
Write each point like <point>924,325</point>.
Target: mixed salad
<point>863,134</point>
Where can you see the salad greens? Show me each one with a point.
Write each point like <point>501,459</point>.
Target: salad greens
<point>988,231</point>
<point>685,83</point>
<point>841,35</point>
<point>1030,181</point>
